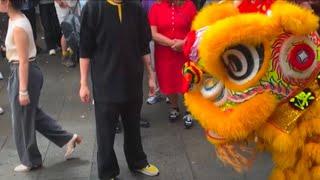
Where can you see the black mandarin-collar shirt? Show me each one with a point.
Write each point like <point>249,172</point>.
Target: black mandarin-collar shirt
<point>115,38</point>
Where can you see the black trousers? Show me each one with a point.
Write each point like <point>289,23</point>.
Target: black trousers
<point>31,15</point>
<point>51,26</point>
<point>201,4</point>
<point>3,29</point>
<point>107,115</point>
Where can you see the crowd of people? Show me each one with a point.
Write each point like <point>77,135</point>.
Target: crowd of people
<point>117,82</point>
<point>119,39</point>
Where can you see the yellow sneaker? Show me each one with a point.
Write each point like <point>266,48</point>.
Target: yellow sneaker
<point>149,170</point>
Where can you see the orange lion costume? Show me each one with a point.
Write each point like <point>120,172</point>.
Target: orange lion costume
<point>253,79</point>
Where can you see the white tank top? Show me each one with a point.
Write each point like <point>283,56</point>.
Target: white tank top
<point>11,49</point>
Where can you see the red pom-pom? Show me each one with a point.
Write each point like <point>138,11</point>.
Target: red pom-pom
<point>191,38</point>
<point>186,82</point>
<point>255,6</point>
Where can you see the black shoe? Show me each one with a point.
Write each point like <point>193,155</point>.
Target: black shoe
<point>174,114</point>
<point>67,62</point>
<point>118,128</point>
<point>188,121</point>
<point>39,50</point>
<point>144,123</point>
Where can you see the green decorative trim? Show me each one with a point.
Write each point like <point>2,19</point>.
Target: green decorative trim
<point>303,99</point>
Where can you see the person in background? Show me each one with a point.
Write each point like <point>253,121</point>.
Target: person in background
<point>63,8</point>
<point>170,22</point>
<point>24,89</point>
<point>28,8</point>
<point>51,26</point>
<point>82,3</point>
<point>114,45</point>
<point>3,32</point>
<point>1,109</point>
<point>201,3</point>
<point>157,97</point>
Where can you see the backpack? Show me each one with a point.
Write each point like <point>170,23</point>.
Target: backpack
<point>70,28</point>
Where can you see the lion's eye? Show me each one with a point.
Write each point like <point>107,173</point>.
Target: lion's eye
<point>243,62</point>
<point>296,60</point>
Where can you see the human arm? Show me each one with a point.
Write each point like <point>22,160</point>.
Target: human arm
<point>84,92</point>
<point>145,38</point>
<point>87,47</point>
<point>190,12</point>
<point>178,45</point>
<point>21,41</point>
<point>153,17</point>
<point>161,39</point>
<point>151,74</point>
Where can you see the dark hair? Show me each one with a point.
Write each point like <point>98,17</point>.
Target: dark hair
<point>17,4</point>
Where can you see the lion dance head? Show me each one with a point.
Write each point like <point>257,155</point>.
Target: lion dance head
<point>246,60</point>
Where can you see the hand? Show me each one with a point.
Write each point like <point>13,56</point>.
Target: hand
<point>24,100</point>
<point>172,42</point>
<point>306,5</point>
<point>84,94</point>
<point>177,46</point>
<point>63,4</point>
<point>152,85</point>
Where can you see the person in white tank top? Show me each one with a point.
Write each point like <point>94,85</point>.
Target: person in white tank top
<point>21,23</point>
<point>24,89</point>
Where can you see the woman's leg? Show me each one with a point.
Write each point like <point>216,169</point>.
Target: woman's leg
<point>64,46</point>
<point>51,129</point>
<point>24,121</point>
<point>66,55</point>
<point>56,26</point>
<point>174,112</point>
<point>173,100</point>
<point>44,123</point>
<point>46,22</point>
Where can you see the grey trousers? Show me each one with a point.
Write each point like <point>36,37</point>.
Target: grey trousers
<point>26,120</point>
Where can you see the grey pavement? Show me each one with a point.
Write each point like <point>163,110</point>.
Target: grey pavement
<point>180,154</point>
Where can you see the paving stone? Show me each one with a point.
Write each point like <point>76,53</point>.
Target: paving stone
<point>70,120</point>
<point>180,154</point>
<point>3,140</point>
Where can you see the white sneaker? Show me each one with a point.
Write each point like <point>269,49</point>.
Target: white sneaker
<point>22,168</point>
<point>52,52</point>
<point>153,99</point>
<point>167,100</point>
<point>188,121</point>
<point>1,111</point>
<point>70,146</point>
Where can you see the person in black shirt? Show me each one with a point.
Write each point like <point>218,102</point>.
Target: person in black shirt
<point>114,42</point>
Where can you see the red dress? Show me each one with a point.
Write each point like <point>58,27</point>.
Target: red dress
<point>173,22</point>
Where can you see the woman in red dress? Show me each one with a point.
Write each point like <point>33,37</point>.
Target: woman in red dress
<point>170,22</point>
